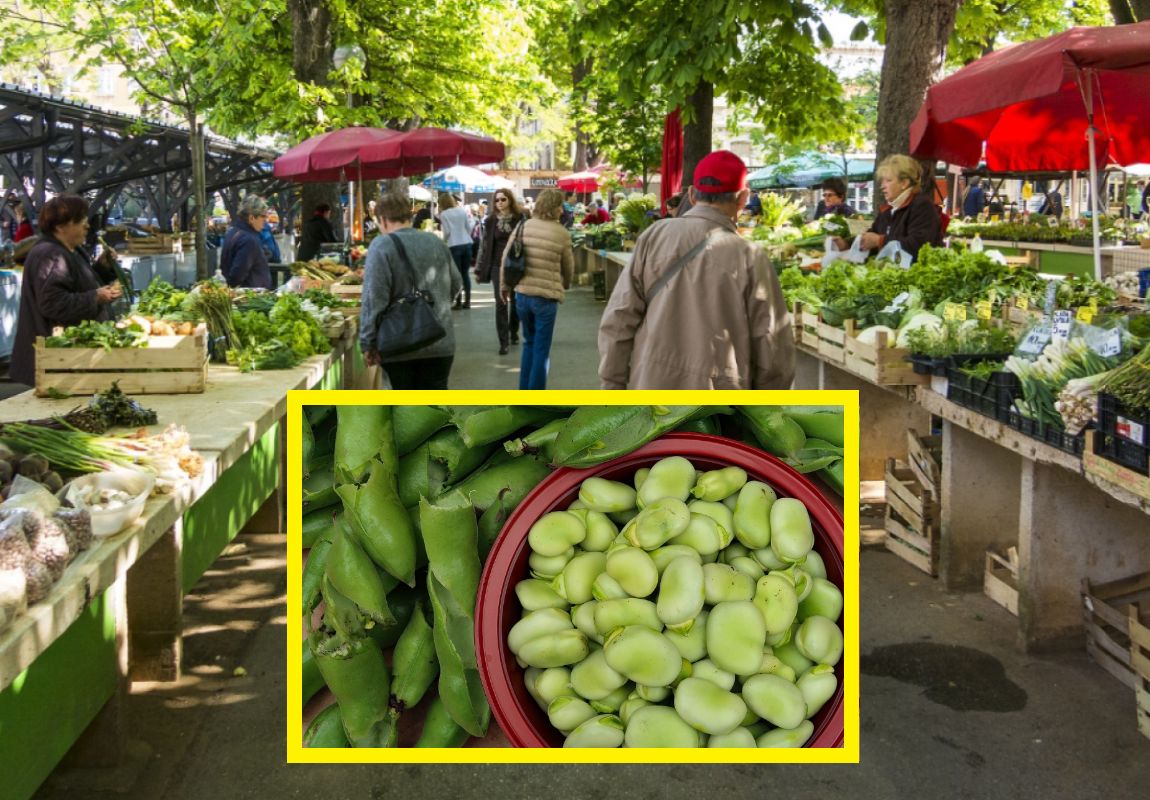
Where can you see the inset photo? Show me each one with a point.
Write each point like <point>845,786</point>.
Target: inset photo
<point>573,582</point>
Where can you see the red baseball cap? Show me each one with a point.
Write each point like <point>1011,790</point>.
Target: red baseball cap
<point>719,172</point>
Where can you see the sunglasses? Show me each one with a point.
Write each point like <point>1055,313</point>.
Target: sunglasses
<point>500,199</point>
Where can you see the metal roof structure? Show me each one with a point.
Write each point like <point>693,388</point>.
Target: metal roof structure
<point>50,145</point>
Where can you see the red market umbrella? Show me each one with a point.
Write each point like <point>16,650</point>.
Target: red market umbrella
<point>579,182</point>
<point>323,158</point>
<point>1052,104</point>
<point>430,149</point>
<point>672,164</point>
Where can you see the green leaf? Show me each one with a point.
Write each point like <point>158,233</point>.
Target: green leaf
<point>859,32</point>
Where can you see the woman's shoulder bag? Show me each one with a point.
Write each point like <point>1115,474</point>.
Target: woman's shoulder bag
<point>515,260</point>
<point>409,322</point>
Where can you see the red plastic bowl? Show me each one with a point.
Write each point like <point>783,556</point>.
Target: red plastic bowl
<point>497,607</point>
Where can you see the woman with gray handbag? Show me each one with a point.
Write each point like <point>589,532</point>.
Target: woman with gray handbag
<point>408,283</point>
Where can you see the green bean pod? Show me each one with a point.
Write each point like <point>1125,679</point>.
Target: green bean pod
<point>480,425</point>
<point>358,676</point>
<point>782,737</point>
<point>414,479</point>
<point>659,726</point>
<point>319,525</point>
<point>503,481</point>
<point>834,476</point>
<point>414,664</point>
<point>313,572</point>
<point>540,442</point>
<point>819,422</point>
<point>707,425</point>
<point>352,572</point>
<point>318,413</point>
<point>605,730</point>
<point>491,523</point>
<point>312,680</point>
<point>595,434</point>
<point>440,729</point>
<point>341,614</point>
<point>307,443</point>
<point>401,600</point>
<point>457,459</point>
<point>752,515</point>
<point>776,433</point>
<point>776,700</point>
<point>380,523</point>
<point>326,729</point>
<point>364,434</point>
<point>413,425</point>
<point>319,487</point>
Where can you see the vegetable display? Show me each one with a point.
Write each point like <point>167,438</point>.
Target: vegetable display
<point>106,335</point>
<point>402,505</point>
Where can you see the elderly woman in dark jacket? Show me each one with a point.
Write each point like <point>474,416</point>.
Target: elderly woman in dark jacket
<point>242,258</point>
<point>59,287</point>
<point>497,228</point>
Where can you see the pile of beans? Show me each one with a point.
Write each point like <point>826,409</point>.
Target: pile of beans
<point>706,621</point>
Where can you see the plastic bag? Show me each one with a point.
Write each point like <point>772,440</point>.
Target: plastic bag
<point>855,255</point>
<point>27,493</point>
<point>894,252</point>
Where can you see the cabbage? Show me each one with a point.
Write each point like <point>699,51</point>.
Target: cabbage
<point>870,335</point>
<point>922,319</point>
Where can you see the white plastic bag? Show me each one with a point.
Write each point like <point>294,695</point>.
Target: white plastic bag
<point>855,255</point>
<point>893,251</point>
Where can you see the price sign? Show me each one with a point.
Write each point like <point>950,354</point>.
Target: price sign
<point>1085,314</point>
<point>994,218</point>
<point>1022,301</point>
<point>1109,345</point>
<point>1052,222</point>
<point>1035,340</point>
<point>985,309</point>
<point>1063,322</point>
<point>1051,296</point>
<point>1093,304</point>
<point>953,312</point>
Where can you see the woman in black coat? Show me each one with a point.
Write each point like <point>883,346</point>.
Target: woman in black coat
<point>505,215</point>
<point>59,288</point>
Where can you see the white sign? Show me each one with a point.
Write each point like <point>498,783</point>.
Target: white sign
<point>1109,345</point>
<point>1063,322</point>
<point>1035,340</point>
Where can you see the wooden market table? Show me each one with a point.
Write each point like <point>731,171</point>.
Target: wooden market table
<point>116,613</point>
<point>1001,488</point>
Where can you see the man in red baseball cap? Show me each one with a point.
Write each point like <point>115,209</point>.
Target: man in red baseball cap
<point>699,307</point>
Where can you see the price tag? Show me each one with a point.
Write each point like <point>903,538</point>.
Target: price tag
<point>994,218</point>
<point>1063,322</point>
<point>1035,340</point>
<point>985,309</point>
<point>1093,304</point>
<point>1085,314</point>
<point>1110,345</point>
<point>953,312</point>
<point>1051,296</point>
<point>1052,222</point>
<point>1022,301</point>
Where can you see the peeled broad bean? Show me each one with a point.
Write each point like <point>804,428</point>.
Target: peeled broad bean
<point>681,594</point>
<point>825,600</point>
<point>612,614</point>
<point>752,514</point>
<point>535,594</point>
<point>583,618</point>
<point>720,514</point>
<point>547,567</point>
<point>593,678</point>
<point>669,477</point>
<point>659,726</point>
<point>605,730</point>
<point>706,707</point>
<point>667,553</point>
<point>722,583</point>
<point>790,655</point>
<point>820,640</point>
<point>643,656</point>
<point>739,737</point>
<point>748,566</point>
<point>719,483</point>
<point>818,685</point>
<point>553,533</point>
<point>600,494</point>
<point>703,534</point>
<point>555,649</point>
<point>653,694</point>
<point>814,565</point>
<point>792,536</point>
<point>773,665</point>
<point>777,602</point>
<point>607,588</point>
<point>658,523</point>
<point>634,570</point>
<point>530,676</point>
<point>632,704</point>
<point>578,576</point>
<point>735,637</point>
<point>705,669</point>
<point>553,683</point>
<point>780,737</point>
<point>776,700</point>
<point>767,559</point>
<point>601,531</point>
<point>735,549</point>
<point>692,644</point>
<point>640,476</point>
<point>614,701</point>
<point>568,713</point>
<point>535,624</point>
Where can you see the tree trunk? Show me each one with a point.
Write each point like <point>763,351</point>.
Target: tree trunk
<point>916,35</point>
<point>199,193</point>
<point>311,61</point>
<point>697,132</point>
<point>579,71</point>
<point>1127,11</point>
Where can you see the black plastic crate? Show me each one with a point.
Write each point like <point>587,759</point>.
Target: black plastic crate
<point>927,365</point>
<point>1055,437</point>
<point>993,397</point>
<point>1123,435</point>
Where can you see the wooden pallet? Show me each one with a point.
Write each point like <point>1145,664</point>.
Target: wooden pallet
<point>924,457</point>
<point>1113,473</point>
<point>1107,608</point>
<point>1140,664</point>
<point>832,340</point>
<point>880,364</point>
<point>168,365</point>
<point>1000,580</point>
<point>912,517</point>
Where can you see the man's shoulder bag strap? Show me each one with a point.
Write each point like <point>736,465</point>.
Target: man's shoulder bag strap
<point>681,262</point>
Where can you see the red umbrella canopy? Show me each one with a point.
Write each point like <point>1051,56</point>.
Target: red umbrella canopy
<point>1027,103</point>
<point>324,157</point>
<point>579,182</point>
<point>430,149</point>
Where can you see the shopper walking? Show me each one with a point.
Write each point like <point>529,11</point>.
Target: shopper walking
<point>316,231</point>
<point>242,258</point>
<point>506,214</point>
<point>699,307</point>
<point>399,261</point>
<point>455,221</point>
<point>550,268</point>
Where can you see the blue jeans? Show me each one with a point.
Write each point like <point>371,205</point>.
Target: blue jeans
<point>537,314</point>
<point>461,255</point>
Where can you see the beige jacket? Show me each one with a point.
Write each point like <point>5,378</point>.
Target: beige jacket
<point>720,323</point>
<point>550,260</point>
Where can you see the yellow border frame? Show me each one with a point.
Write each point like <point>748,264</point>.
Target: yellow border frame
<point>848,754</point>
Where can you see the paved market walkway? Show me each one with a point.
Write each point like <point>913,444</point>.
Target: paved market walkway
<point>950,709</point>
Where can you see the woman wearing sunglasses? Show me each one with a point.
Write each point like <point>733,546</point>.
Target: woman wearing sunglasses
<point>505,216</point>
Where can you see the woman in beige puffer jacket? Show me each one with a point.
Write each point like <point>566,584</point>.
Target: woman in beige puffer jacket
<point>550,267</point>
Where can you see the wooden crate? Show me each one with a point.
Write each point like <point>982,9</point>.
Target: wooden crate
<point>1018,318</point>
<point>924,457</point>
<point>150,247</point>
<point>810,328</point>
<point>1140,664</point>
<point>912,517</point>
<point>349,311</point>
<point>315,283</point>
<point>346,291</point>
<point>1111,472</point>
<point>832,340</point>
<point>168,365</point>
<point>1000,581</point>
<point>1107,609</point>
<point>882,365</point>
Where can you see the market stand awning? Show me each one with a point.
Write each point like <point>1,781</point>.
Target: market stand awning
<point>329,157</point>
<point>810,169</point>
<point>427,149</point>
